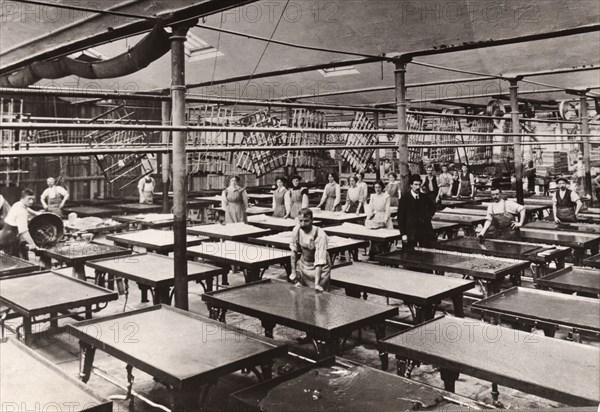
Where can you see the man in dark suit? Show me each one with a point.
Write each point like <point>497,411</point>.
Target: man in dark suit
<point>415,211</point>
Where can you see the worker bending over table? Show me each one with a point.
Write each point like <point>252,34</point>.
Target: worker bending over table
<point>309,243</point>
<point>501,216</point>
<point>566,204</point>
<point>16,229</point>
<point>415,211</point>
<point>54,197</point>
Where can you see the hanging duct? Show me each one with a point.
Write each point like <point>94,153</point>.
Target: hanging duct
<point>149,49</point>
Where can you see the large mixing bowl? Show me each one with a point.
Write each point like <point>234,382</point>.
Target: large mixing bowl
<point>46,229</point>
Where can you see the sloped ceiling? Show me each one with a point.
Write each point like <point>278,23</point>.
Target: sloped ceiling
<point>371,27</point>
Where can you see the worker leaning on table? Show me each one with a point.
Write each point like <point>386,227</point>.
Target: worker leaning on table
<point>309,243</point>
<point>16,229</point>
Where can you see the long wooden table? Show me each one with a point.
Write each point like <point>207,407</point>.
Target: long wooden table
<point>381,239</point>
<point>179,349</point>
<point>10,265</point>
<point>531,210</point>
<point>542,309</point>
<point>325,317</point>
<point>89,211</point>
<point>593,261</point>
<point>331,218</point>
<point>564,227</point>
<point>31,296</point>
<point>421,290</point>
<point>153,240</point>
<point>140,207</point>
<point>253,259</point>
<point>540,255</point>
<point>147,220</point>
<point>573,279</point>
<point>30,382</point>
<point>276,224</point>
<point>579,242</point>
<point>563,371</point>
<point>153,272</point>
<point>76,253</point>
<point>491,272</point>
<point>365,389</point>
<point>229,231</point>
<point>468,222</point>
<point>335,244</point>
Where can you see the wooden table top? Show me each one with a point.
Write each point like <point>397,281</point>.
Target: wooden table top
<point>356,231</point>
<point>283,239</point>
<point>229,231</point>
<point>154,239</point>
<point>39,293</point>
<point>573,279</point>
<point>242,254</point>
<point>472,220</point>
<point>270,222</point>
<point>152,269</point>
<point>565,227</point>
<point>28,379</point>
<point>569,239</point>
<point>80,250</point>
<point>593,261</point>
<point>195,356</point>
<point>548,307</point>
<point>564,371</point>
<point>10,265</point>
<point>140,208</point>
<point>87,211</point>
<point>337,217</point>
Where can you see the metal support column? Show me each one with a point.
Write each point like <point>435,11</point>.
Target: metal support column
<point>179,165</point>
<point>516,128</point>
<point>165,164</point>
<point>377,159</point>
<point>400,82</point>
<point>585,130</point>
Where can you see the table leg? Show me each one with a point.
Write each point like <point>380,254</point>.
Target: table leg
<point>186,399</point>
<point>79,271</point>
<point>578,256</point>
<point>27,332</point>
<point>53,320</point>
<point>144,290</point>
<point>457,301</point>
<point>449,377</point>
<point>560,262</point>
<point>225,279</point>
<point>423,313</point>
<point>268,326</point>
<point>352,292</point>
<point>100,278</point>
<point>266,368</point>
<point>383,355</point>
<point>209,284</point>
<point>595,249</point>
<point>46,261</point>
<point>251,275</point>
<point>86,360</point>
<point>515,278</point>
<point>400,366</point>
<point>491,287</point>
<point>162,295</point>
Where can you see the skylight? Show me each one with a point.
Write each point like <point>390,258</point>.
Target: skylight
<point>338,71</point>
<point>198,49</point>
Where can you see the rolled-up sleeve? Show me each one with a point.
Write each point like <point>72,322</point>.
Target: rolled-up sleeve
<point>321,249</point>
<point>21,220</point>
<point>294,241</point>
<point>490,212</point>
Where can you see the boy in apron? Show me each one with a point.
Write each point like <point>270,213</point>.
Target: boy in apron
<point>53,199</point>
<point>16,229</point>
<point>565,203</point>
<point>501,216</point>
<point>309,242</point>
<point>466,185</point>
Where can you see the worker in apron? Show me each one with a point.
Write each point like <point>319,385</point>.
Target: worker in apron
<point>501,217</point>
<point>466,185</point>
<point>53,199</point>
<point>313,269</point>
<point>15,232</point>
<point>566,204</point>
<point>4,209</point>
<point>146,189</point>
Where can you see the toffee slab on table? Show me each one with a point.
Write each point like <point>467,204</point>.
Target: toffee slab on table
<point>10,265</point>
<point>335,244</point>
<point>545,310</point>
<point>328,217</point>
<point>579,242</point>
<point>490,271</point>
<point>80,226</point>
<point>153,240</point>
<point>140,208</point>
<point>89,211</point>
<point>33,295</point>
<point>323,316</point>
<point>29,381</point>
<point>566,372</point>
<point>253,259</point>
<point>154,272</point>
<point>573,279</point>
<point>363,389</point>
<point>76,253</point>
<point>203,350</point>
<point>229,231</point>
<point>565,227</point>
<point>278,224</point>
<point>148,220</point>
<point>593,261</point>
<point>468,222</point>
<point>540,255</point>
<point>419,289</point>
